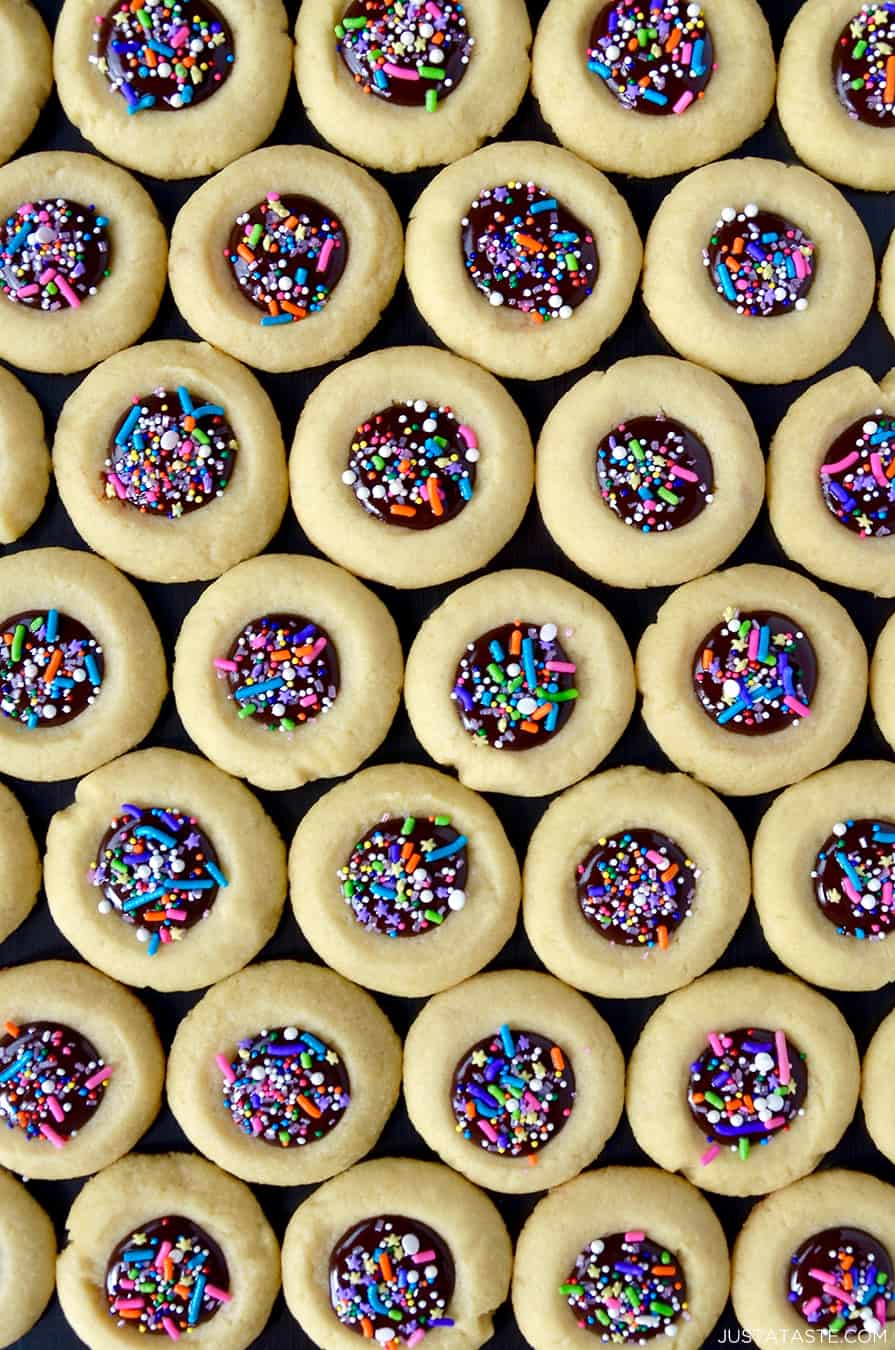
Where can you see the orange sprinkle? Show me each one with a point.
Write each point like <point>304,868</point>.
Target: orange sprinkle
<point>411,510</point>
<point>529,726</point>
<point>154,915</point>
<point>707,655</point>
<point>293,309</point>
<point>434,495</point>
<point>273,308</point>
<point>168,1269</point>
<point>516,635</point>
<point>670,872</point>
<point>149,57</point>
<point>738,244</point>
<point>280,656</point>
<point>470,1109</point>
<point>663,936</point>
<point>413,863</point>
<point>530,245</point>
<point>11,1029</point>
<point>131,1314</point>
<point>245,253</point>
<point>189,423</point>
<point>407,849</point>
<point>541,712</point>
<point>664,1270</point>
<point>367,1328</point>
<point>557,1058</point>
<point>385,1265</point>
<point>532,1160</point>
<point>890,80</point>
<point>291,223</point>
<point>308,1106</point>
<point>674,38</point>
<point>53,668</point>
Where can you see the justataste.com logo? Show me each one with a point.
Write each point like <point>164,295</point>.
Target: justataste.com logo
<point>856,1335</point>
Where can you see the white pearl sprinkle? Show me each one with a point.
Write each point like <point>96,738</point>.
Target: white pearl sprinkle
<point>456,900</point>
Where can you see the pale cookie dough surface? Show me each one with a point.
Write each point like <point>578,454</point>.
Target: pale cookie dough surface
<point>371,667</point>
<point>462,1216</point>
<point>588,118</point>
<point>134,679</point>
<point>591,640</point>
<point>154,545</point>
<point>135,1191</point>
<point>452,1023</point>
<point>250,854</point>
<point>797,826</point>
<point>818,126</point>
<point>570,496</point>
<point>209,296</point>
<point>27,1259</point>
<point>367,128</point>
<point>303,998</point>
<point>183,142</point>
<point>882,679</point>
<point>680,291</point>
<point>24,459</point>
<point>605,808</point>
<point>20,866</point>
<point>126,301</point>
<point>721,1003</point>
<point>27,73</point>
<point>474,928</point>
<point>878,1088</point>
<point>775,1231</point>
<point>807,528</point>
<point>121,1031</point>
<point>601,1204</point>
<point>503,338</point>
<point>732,762</point>
<point>887,286</point>
<point>333,421</point>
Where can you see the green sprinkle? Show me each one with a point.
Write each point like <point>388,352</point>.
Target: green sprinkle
<point>571,263</point>
<point>602,1317</point>
<point>36,624</point>
<point>354,23</point>
<point>714,1100</point>
<point>636,449</point>
<point>575,1289</point>
<point>663,1309</point>
<point>255,235</point>
<point>202,437</point>
<point>287,724</point>
<point>431,100</point>
<point>18,642</point>
<point>859,49</point>
<point>442,820</point>
<point>246,710</point>
<point>632,1296</point>
<point>668,496</point>
<point>743,1146</point>
<point>409,825</point>
<point>496,673</point>
<point>431,72</point>
<point>433,916</point>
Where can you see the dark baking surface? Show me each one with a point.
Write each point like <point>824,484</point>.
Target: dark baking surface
<point>38,939</point>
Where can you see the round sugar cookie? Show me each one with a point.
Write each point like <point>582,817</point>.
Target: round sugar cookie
<point>400,90</point>
<point>694,90</point>
<point>887,286</point>
<point>411,467</point>
<point>284,1073</point>
<point>523,209</point>
<point>83,257</point>
<point>164,872</point>
<point>785,1050</point>
<point>213,93</point>
<point>759,270</point>
<point>82,1069</point>
<point>834,96</point>
<point>169,459</point>
<point>403,880</point>
<point>521,682</point>
<point>752,678</point>
<point>823,873</point>
<point>27,74</point>
<point>24,459</point>
<point>20,866</point>
<point>177,1223</point>
<point>287,258</point>
<point>882,676</point>
<point>649,473</point>
<point>69,616</point>
<point>665,1234</point>
<point>430,1223</point>
<point>634,883</point>
<point>876,1088</point>
<point>550,1056</point>
<point>286,670</point>
<point>27,1259</point>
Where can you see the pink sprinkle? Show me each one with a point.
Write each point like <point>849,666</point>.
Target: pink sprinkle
<point>823,1276</point>
<point>162,1255</point>
<point>754,635</point>
<point>164,935</point>
<point>317,648</point>
<point>877,467</point>
<point>220,1295</point>
<point>850,891</point>
<point>308,701</point>
<point>680,472</point>
<point>887,893</point>
<point>128,1304</point>
<point>273,196</point>
<point>416,1337</point>
<point>684,101</point>
<point>258,641</point>
<point>423,1258</point>
<point>178,915</point>
<point>563,667</point>
<point>686,53</point>
<point>879,1307</point>
<point>221,664</point>
<point>176,39</point>
<point>257,1125</point>
<point>613,1305</point>
<point>399,73</point>
<point>532,1102</point>
<point>67,293</point>
<point>223,1064</point>
<point>126,1284</point>
<point>715,1043</point>
<point>836,1292</point>
<point>800,262</point>
<point>635,1235</point>
<point>812,1306</point>
<point>56,1110</point>
<point>100,1076</point>
<point>469,437</point>
<point>24,291</point>
<point>840,464</point>
<point>658,861</point>
<point>47,276</point>
<point>171,1328</point>
<point>49,1133</point>
<point>710,1155</point>
<point>325,254</point>
<point>775,1123</point>
<point>801,709</point>
<point>120,489</point>
<point>487,1130</point>
<point>432,8</point>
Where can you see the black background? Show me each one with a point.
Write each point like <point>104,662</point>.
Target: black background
<point>38,939</point>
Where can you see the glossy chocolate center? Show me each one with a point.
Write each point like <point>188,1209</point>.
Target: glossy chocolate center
<point>759,263</point>
<point>170,454</point>
<point>755,673</point>
<point>655,58</point>
<point>654,473</point>
<point>746,1087</point>
<point>158,871</point>
<point>54,254</point>
<point>858,477</point>
<point>413,465</point>
<point>166,1278</point>
<point>864,66</point>
<point>51,668</point>
<point>164,56</point>
<point>626,1288</point>
<point>405,877</point>
<point>840,1280</point>
<point>513,1092</point>
<point>51,1080</point>
<point>523,248</point>
<point>636,887</point>
<point>853,878</point>
<point>514,686</point>
<point>285,1087</point>
<point>287,256</point>
<point>281,671</point>
<point>391,1274</point>
<point>413,54</point>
